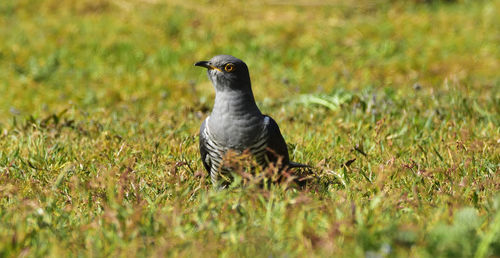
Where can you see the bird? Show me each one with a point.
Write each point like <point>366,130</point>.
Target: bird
<point>236,123</point>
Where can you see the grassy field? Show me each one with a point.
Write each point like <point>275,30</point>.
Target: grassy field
<point>101,105</point>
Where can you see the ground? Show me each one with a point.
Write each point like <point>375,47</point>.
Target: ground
<point>394,103</point>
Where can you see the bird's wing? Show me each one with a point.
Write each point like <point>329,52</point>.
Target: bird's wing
<point>203,147</point>
<point>277,146</point>
<point>276,143</point>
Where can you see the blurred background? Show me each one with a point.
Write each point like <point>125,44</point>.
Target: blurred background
<point>103,53</point>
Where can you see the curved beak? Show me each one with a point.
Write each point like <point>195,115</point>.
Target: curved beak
<point>205,64</point>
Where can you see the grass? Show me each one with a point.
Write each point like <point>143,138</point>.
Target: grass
<point>101,107</point>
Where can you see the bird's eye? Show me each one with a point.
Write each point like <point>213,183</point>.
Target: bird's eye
<point>229,67</point>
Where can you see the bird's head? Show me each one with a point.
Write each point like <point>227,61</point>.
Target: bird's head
<point>227,73</point>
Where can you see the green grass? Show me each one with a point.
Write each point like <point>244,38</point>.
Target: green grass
<point>100,109</point>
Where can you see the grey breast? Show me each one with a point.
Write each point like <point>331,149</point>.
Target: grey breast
<point>217,150</point>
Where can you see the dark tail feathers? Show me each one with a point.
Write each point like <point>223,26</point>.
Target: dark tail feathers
<point>297,165</point>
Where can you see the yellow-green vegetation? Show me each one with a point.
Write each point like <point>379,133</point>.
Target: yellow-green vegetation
<point>101,104</point>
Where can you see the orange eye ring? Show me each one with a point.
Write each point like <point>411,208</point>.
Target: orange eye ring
<point>229,67</point>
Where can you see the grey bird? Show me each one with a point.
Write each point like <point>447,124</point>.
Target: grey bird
<point>236,122</point>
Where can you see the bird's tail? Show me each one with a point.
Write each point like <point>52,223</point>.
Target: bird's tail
<point>302,176</point>
<point>297,165</point>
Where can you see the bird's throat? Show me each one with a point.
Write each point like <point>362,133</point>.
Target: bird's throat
<point>236,104</point>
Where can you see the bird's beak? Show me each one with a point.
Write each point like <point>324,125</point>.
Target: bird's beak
<point>207,65</point>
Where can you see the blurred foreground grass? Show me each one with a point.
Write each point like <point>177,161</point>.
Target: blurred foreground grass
<point>101,107</point>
